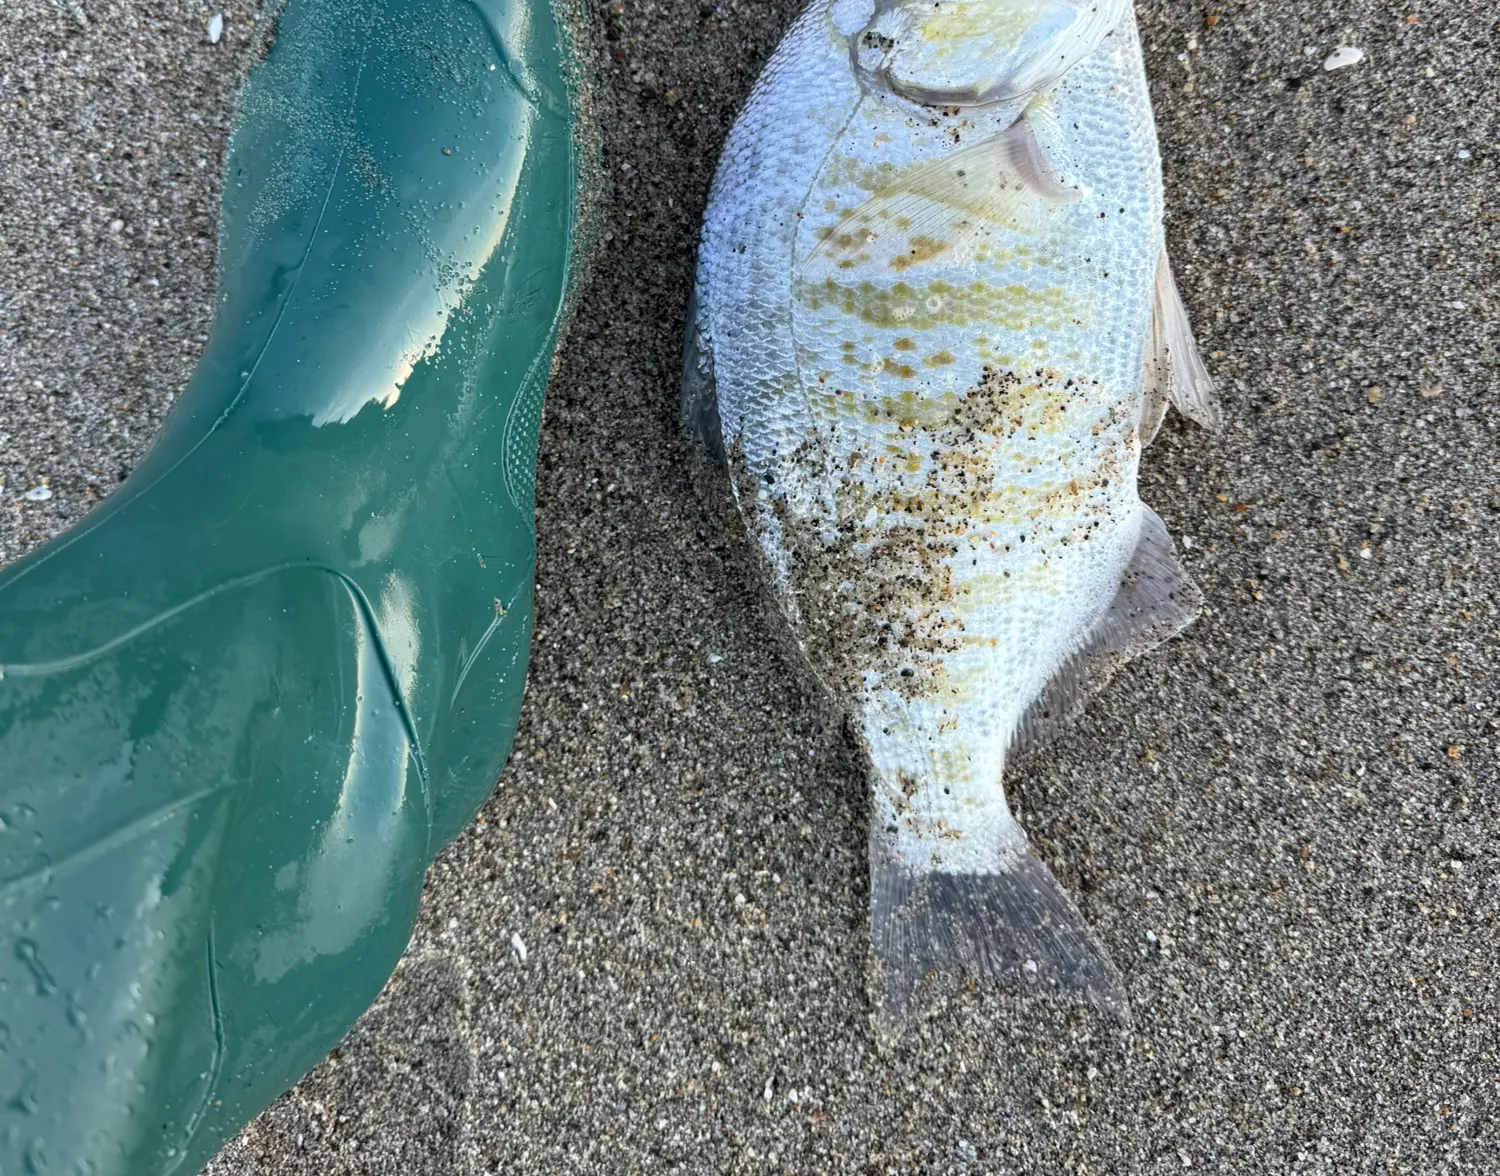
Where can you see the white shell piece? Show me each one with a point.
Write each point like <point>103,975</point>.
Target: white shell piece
<point>1343,57</point>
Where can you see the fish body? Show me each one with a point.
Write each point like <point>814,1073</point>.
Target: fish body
<point>933,328</point>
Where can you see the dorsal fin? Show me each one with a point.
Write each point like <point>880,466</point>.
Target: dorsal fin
<point>1175,371</point>
<point>1156,600</point>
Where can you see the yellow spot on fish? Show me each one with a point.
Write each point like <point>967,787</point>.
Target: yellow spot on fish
<point>921,249</point>
<point>998,26</point>
<point>904,344</point>
<point>1015,307</point>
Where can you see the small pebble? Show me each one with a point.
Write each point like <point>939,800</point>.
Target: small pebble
<point>215,28</point>
<point>518,945</point>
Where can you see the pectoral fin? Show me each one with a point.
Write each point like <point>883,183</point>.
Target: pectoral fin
<point>953,208</point>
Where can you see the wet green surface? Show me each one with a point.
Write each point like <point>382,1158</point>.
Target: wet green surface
<point>246,700</point>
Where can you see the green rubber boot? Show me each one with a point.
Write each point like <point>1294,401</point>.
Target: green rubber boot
<point>245,702</point>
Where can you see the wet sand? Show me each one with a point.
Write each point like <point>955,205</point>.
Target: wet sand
<point>1284,825</point>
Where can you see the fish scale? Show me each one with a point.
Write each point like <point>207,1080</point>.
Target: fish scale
<point>929,339</point>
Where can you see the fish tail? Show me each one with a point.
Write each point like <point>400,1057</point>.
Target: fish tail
<point>1013,927</point>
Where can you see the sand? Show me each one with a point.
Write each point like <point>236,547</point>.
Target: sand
<point>1284,825</point>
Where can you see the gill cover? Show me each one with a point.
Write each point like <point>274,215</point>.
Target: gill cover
<point>977,52</point>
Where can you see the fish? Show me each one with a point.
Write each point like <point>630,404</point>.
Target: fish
<point>932,328</point>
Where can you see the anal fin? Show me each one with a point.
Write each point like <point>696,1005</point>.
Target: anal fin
<point>1175,371</point>
<point>1014,927</point>
<point>1156,600</point>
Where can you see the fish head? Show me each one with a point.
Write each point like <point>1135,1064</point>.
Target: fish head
<point>976,52</point>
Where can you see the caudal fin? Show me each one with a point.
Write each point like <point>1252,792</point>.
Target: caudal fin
<point>1015,928</point>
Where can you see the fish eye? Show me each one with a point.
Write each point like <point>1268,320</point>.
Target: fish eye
<point>970,53</point>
